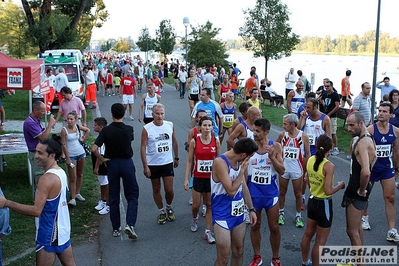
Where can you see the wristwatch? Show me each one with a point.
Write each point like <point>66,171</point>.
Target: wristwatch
<point>252,210</point>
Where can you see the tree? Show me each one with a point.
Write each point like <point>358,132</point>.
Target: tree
<point>266,31</point>
<point>145,40</point>
<point>122,46</point>
<point>54,24</point>
<point>12,30</point>
<point>204,48</point>
<point>165,38</point>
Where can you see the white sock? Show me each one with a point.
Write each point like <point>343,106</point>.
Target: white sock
<point>298,214</point>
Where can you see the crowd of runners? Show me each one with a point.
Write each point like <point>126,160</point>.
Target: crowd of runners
<point>253,172</point>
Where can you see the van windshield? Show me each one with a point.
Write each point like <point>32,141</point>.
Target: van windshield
<point>71,70</point>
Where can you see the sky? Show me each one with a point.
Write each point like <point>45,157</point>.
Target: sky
<point>308,17</point>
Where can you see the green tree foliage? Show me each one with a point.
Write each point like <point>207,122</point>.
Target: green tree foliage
<point>123,46</point>
<point>54,24</point>
<point>165,38</point>
<point>106,45</point>
<point>145,41</point>
<point>266,30</point>
<point>349,44</point>
<point>12,30</point>
<point>204,47</point>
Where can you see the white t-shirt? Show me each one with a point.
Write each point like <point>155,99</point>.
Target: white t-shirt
<point>291,77</point>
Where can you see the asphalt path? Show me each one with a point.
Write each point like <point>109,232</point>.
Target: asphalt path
<point>174,244</point>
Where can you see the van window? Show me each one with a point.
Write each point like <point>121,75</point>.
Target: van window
<point>71,70</point>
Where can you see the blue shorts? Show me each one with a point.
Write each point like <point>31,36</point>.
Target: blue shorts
<point>235,91</point>
<point>53,249</point>
<point>264,203</point>
<point>76,158</point>
<point>232,222</point>
<point>378,174</point>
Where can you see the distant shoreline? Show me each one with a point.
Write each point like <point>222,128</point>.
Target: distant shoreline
<point>303,52</point>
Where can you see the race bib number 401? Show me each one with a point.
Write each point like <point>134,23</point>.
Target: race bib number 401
<point>261,176</point>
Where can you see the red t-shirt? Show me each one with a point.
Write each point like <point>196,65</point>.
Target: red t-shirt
<point>204,155</point>
<point>129,85</point>
<point>110,77</point>
<point>156,84</point>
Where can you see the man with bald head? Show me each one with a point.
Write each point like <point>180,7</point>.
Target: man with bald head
<point>295,98</point>
<point>244,129</point>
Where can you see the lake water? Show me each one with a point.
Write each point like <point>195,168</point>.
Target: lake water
<point>323,66</point>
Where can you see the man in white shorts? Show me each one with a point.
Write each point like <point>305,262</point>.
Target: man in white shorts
<point>128,92</point>
<point>296,150</point>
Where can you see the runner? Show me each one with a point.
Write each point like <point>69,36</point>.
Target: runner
<point>202,151</point>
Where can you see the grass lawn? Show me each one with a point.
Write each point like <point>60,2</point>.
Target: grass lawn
<point>15,185</point>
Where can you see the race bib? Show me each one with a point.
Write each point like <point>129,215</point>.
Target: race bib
<point>162,146</point>
<point>224,94</point>
<point>228,118</point>
<point>261,176</point>
<point>383,151</point>
<point>204,166</point>
<point>291,152</point>
<point>156,88</point>
<point>149,107</point>
<point>298,104</point>
<point>195,91</point>
<point>312,139</point>
<point>237,207</point>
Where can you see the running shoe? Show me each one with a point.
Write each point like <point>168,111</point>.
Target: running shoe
<point>309,263</point>
<point>208,236</point>
<point>194,224</point>
<point>116,233</point>
<point>281,219</point>
<point>335,151</point>
<point>203,210</point>
<point>79,197</point>
<point>104,210</point>
<point>257,260</point>
<point>162,218</point>
<point>365,223</point>
<point>303,206</point>
<point>131,118</point>
<point>393,235</point>
<point>72,202</point>
<point>101,204</point>
<point>129,230</point>
<point>171,215</point>
<point>276,262</point>
<point>298,222</point>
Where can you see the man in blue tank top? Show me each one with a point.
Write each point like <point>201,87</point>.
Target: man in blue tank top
<point>229,196</point>
<point>262,182</point>
<point>385,168</point>
<point>50,207</point>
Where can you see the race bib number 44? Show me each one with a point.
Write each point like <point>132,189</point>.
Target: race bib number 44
<point>237,207</point>
<point>204,166</point>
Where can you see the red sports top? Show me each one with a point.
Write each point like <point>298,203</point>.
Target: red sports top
<point>204,155</point>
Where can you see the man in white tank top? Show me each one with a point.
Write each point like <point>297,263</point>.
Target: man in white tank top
<point>50,208</point>
<point>295,98</point>
<point>147,102</point>
<point>158,145</point>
